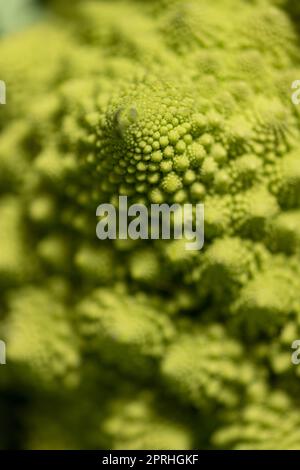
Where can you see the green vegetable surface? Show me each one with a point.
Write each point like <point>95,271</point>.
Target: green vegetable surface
<point>142,344</point>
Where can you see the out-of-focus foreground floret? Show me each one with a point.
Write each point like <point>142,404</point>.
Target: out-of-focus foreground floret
<point>143,343</point>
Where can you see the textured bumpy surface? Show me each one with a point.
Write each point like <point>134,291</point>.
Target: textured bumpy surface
<point>143,344</point>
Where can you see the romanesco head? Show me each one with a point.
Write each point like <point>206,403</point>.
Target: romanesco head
<point>164,102</point>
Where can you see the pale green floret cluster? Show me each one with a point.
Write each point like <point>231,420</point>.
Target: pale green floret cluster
<point>143,344</point>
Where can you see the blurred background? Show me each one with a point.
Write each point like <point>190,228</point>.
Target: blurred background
<point>18,14</point>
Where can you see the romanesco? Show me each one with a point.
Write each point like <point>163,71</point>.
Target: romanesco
<point>146,344</point>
